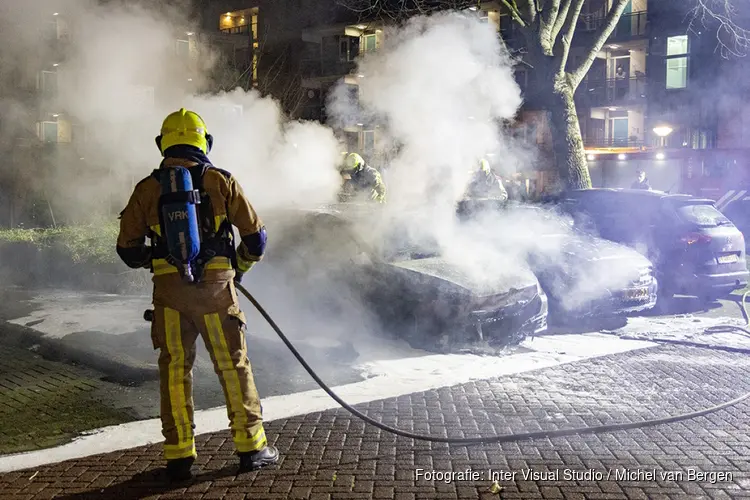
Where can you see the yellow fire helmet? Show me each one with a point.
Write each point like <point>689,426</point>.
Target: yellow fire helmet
<point>184,127</point>
<point>352,162</point>
<point>484,165</point>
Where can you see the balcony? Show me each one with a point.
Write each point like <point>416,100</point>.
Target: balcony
<point>633,142</point>
<point>237,30</point>
<point>326,68</point>
<point>631,25</point>
<point>612,92</point>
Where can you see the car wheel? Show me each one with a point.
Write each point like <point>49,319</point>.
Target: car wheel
<point>708,298</point>
<point>664,295</point>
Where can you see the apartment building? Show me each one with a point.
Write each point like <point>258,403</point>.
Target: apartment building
<point>649,100</point>
<point>232,30</point>
<point>329,57</point>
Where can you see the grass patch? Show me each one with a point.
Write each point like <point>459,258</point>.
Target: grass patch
<point>91,244</point>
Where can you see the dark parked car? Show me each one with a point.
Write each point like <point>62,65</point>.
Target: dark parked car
<point>738,211</point>
<point>695,249</point>
<point>430,301</point>
<point>582,275</point>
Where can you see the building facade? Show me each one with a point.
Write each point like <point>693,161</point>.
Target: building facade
<point>657,97</point>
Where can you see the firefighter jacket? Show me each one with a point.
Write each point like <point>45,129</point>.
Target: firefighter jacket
<point>364,179</point>
<point>140,219</point>
<point>485,184</point>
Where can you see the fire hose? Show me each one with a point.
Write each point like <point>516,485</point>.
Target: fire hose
<point>504,438</point>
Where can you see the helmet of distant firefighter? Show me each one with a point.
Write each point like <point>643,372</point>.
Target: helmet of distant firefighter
<point>352,162</point>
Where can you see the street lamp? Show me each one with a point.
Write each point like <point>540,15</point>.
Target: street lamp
<point>663,131</point>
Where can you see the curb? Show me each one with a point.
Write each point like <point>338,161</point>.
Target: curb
<point>117,367</point>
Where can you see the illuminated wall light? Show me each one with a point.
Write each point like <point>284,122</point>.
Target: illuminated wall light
<point>56,14</point>
<point>660,156</point>
<point>621,156</point>
<point>591,157</point>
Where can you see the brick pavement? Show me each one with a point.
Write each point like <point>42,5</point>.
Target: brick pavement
<point>41,401</point>
<point>330,455</point>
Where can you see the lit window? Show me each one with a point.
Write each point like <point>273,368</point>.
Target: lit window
<point>371,42</point>
<point>48,82</point>
<point>677,73</point>
<point>677,62</point>
<point>368,141</point>
<point>48,131</point>
<point>677,45</point>
<point>183,48</point>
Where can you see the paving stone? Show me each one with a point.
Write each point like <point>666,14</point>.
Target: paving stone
<point>369,463</point>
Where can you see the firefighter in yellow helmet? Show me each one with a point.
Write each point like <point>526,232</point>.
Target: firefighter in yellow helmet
<point>208,305</point>
<point>360,178</point>
<point>485,191</point>
<point>484,184</point>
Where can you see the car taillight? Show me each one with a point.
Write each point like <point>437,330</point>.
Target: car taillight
<point>695,238</point>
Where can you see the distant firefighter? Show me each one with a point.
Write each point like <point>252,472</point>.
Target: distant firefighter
<point>360,178</point>
<point>485,184</point>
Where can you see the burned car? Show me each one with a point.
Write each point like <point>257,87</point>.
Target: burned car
<point>415,293</point>
<point>582,275</point>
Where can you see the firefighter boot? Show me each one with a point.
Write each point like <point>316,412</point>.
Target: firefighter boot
<point>254,460</point>
<point>179,469</point>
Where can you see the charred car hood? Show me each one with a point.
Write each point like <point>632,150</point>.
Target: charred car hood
<point>448,274</point>
<point>598,249</point>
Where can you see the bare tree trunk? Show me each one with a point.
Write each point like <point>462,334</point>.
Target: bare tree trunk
<point>51,213</point>
<point>567,140</point>
<point>13,208</point>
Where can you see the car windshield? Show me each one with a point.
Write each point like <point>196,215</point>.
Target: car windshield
<point>545,222</point>
<point>702,215</point>
<point>398,246</point>
<point>739,213</point>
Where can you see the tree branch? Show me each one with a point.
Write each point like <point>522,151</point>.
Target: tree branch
<point>561,17</point>
<point>547,18</point>
<point>514,12</point>
<point>567,38</point>
<point>599,40</point>
<point>731,38</point>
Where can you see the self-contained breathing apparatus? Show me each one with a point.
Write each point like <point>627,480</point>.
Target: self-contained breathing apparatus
<point>189,237</point>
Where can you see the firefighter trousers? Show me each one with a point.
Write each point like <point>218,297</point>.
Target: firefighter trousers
<point>174,334</point>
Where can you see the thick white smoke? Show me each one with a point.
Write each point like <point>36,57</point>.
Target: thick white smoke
<point>439,87</point>
<point>119,75</point>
